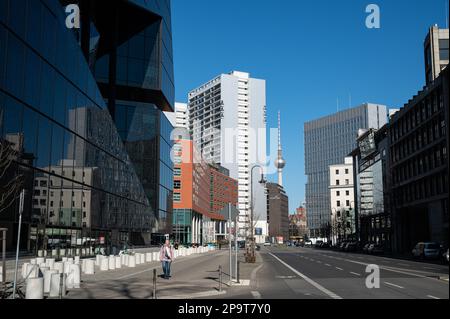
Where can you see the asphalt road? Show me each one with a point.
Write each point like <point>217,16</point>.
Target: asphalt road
<point>297,273</point>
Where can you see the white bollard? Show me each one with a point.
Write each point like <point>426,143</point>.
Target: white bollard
<point>90,267</point>
<point>142,258</point>
<point>118,262</point>
<point>122,259</point>
<point>148,257</point>
<point>73,277</point>
<point>70,260</point>
<point>112,262</point>
<point>127,260</point>
<point>98,259</point>
<point>59,266</point>
<point>33,261</point>
<point>50,262</point>
<point>32,271</point>
<point>35,288</point>
<point>137,258</point>
<point>132,261</point>
<point>104,264</point>
<point>55,284</point>
<point>83,265</point>
<point>47,280</point>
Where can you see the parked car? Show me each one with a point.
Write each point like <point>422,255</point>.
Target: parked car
<point>351,246</point>
<point>267,243</point>
<point>427,250</point>
<point>445,256</point>
<point>377,249</point>
<point>343,245</point>
<point>325,245</point>
<point>308,243</point>
<point>366,247</point>
<point>318,243</point>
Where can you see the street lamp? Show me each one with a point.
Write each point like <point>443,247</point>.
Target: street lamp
<point>251,258</point>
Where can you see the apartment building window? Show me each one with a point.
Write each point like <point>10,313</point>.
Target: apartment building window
<point>347,203</point>
<point>337,182</point>
<point>177,197</point>
<point>177,184</point>
<point>347,182</point>
<point>177,171</point>
<point>346,171</point>
<point>347,193</point>
<point>337,172</point>
<point>338,203</point>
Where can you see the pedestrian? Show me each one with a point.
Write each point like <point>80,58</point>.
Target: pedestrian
<point>166,257</point>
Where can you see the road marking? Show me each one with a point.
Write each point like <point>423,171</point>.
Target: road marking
<point>433,297</point>
<point>256,294</point>
<point>285,277</point>
<point>339,268</point>
<point>355,273</point>
<point>306,278</point>
<point>328,265</point>
<point>393,285</point>
<point>397,270</point>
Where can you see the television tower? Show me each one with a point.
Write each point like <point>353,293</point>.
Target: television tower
<point>280,163</point>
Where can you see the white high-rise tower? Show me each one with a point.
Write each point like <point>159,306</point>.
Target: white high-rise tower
<point>280,163</point>
<point>227,120</point>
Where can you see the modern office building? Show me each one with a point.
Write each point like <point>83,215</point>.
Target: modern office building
<point>81,108</point>
<point>372,179</point>
<point>227,120</point>
<point>277,211</point>
<point>419,143</point>
<point>342,201</point>
<point>328,141</point>
<point>436,52</point>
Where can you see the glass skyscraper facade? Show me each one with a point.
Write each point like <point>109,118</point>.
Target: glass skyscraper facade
<point>328,141</point>
<point>87,146</point>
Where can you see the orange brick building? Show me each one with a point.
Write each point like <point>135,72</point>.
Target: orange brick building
<point>201,191</point>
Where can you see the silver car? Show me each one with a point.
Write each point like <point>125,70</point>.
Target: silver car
<point>427,250</point>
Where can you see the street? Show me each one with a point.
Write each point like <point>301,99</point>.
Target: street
<point>291,273</point>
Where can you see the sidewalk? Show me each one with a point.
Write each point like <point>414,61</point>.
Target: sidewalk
<point>193,277</point>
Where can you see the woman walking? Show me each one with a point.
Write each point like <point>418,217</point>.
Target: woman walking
<point>166,257</point>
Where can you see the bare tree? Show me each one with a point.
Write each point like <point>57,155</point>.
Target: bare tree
<point>9,189</point>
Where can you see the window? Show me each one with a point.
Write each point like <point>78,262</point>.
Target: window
<point>177,184</point>
<point>176,197</point>
<point>84,214</point>
<point>177,171</point>
<point>337,182</point>
<point>346,171</point>
<point>347,203</point>
<point>337,172</point>
<point>338,203</point>
<point>347,193</point>
<point>347,182</point>
<point>338,193</point>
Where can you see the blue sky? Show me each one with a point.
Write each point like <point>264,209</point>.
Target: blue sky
<point>310,52</point>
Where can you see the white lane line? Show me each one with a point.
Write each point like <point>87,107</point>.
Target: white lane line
<point>393,285</point>
<point>355,273</point>
<point>309,280</point>
<point>339,268</point>
<point>433,297</point>
<point>256,294</point>
<point>328,265</point>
